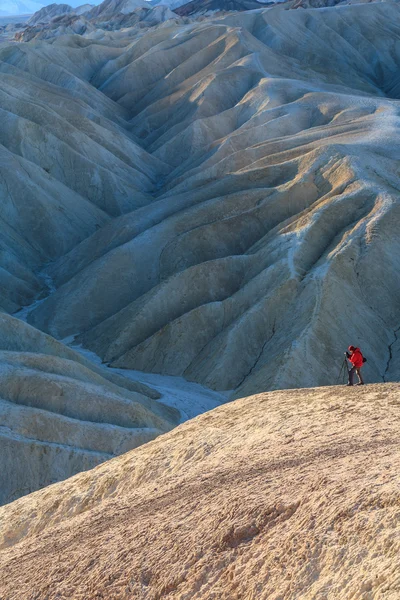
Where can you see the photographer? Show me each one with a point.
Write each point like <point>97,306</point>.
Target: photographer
<point>354,355</point>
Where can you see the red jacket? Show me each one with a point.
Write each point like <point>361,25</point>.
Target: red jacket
<point>356,358</point>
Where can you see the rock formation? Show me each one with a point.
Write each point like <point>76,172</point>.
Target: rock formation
<point>227,198</point>
<point>72,23</point>
<point>60,414</point>
<point>172,4</point>
<point>47,13</point>
<point>137,20</point>
<point>83,8</point>
<point>213,199</point>
<point>67,24</point>
<point>199,7</point>
<point>109,8</point>
<point>289,495</point>
<point>9,30</point>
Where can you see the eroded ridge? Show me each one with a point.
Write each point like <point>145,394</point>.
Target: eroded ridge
<point>60,414</point>
<point>239,178</point>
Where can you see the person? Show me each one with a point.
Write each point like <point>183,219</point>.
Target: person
<point>354,355</point>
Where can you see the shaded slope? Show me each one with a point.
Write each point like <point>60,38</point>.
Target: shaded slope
<point>49,12</point>
<point>200,183</point>
<point>274,168</point>
<point>289,494</point>
<point>60,414</point>
<point>67,166</point>
<point>197,7</point>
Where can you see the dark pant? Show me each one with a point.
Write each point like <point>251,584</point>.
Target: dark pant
<point>351,375</point>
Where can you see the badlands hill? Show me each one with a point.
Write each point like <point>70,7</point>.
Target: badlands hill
<point>61,414</point>
<point>289,495</point>
<point>217,198</point>
<point>87,21</point>
<point>199,7</point>
<point>109,8</point>
<point>48,13</point>
<point>214,199</point>
<point>52,11</point>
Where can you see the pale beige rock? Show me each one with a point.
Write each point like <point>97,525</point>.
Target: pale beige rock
<point>291,494</point>
<point>17,336</point>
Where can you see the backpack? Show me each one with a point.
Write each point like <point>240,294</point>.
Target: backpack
<point>364,359</point>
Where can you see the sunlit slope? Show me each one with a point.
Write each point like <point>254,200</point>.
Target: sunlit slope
<point>289,494</point>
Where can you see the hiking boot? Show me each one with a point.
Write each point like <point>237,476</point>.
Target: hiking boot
<point>349,384</point>
<point>361,383</point>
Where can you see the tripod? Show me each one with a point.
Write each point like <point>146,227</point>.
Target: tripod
<point>344,370</point>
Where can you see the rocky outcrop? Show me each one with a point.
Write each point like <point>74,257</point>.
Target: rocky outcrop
<point>138,20</point>
<point>291,493</point>
<point>73,24</point>
<point>160,14</point>
<point>68,24</point>
<point>10,30</point>
<point>110,8</point>
<point>172,4</point>
<point>47,13</point>
<point>52,11</point>
<point>80,10</point>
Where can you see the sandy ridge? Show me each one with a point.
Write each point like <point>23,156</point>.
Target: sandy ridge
<point>290,494</point>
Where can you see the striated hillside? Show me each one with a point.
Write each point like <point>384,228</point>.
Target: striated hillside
<point>61,414</point>
<point>199,7</point>
<point>217,198</point>
<point>290,494</point>
<point>47,13</point>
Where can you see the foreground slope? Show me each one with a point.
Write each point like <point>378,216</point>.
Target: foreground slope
<point>291,494</point>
